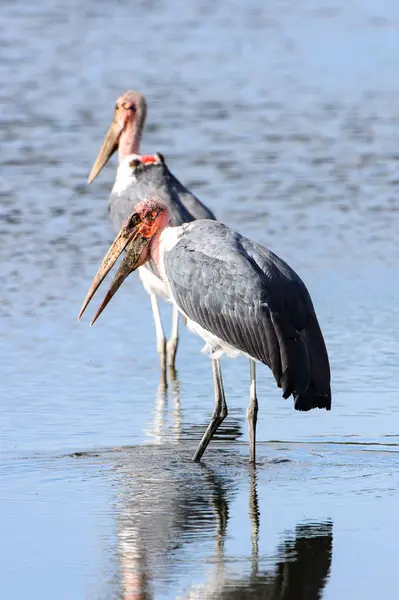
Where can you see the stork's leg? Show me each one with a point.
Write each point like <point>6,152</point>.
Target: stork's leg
<point>174,339</point>
<point>219,412</point>
<point>161,340</point>
<point>252,412</point>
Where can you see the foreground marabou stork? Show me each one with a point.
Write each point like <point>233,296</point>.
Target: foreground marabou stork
<point>124,135</point>
<point>237,295</point>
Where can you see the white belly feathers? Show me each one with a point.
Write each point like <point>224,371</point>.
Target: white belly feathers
<point>214,346</point>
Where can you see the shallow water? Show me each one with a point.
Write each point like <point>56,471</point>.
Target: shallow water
<point>283,118</point>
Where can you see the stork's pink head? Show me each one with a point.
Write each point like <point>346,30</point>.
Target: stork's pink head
<point>125,131</point>
<point>150,217</point>
<point>154,216</point>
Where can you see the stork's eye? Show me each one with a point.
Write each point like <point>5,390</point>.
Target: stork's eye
<point>133,221</point>
<point>134,163</point>
<point>128,106</point>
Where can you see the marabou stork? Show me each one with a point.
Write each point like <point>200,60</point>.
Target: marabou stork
<point>237,295</point>
<point>124,135</point>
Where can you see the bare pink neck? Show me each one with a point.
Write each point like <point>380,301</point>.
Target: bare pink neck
<point>129,142</point>
<point>155,248</point>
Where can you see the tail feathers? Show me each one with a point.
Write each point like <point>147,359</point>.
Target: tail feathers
<point>304,365</point>
<point>310,399</point>
<point>294,359</point>
<point>295,367</point>
<point>318,393</point>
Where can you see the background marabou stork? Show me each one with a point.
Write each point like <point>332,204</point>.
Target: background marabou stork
<point>124,135</point>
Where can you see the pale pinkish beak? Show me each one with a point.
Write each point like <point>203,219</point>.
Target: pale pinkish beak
<point>110,145</point>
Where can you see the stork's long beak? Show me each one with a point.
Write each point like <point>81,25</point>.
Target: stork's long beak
<point>110,145</point>
<point>129,234</point>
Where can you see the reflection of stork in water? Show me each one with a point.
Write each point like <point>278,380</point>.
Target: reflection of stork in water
<point>162,430</point>
<point>301,566</point>
<point>160,517</point>
<point>161,513</point>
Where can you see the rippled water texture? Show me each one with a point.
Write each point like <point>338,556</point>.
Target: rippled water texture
<point>283,117</point>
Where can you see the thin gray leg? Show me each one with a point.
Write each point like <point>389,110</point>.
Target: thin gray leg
<point>252,412</point>
<point>219,412</point>
<point>161,340</point>
<point>174,339</point>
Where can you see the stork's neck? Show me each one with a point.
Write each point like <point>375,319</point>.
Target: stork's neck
<point>129,141</point>
<point>156,248</point>
<point>164,241</point>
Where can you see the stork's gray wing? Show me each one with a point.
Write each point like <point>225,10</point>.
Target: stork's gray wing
<point>248,297</point>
